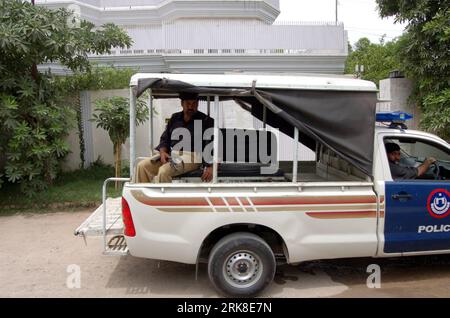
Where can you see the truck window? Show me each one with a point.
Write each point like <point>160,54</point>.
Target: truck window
<point>413,153</point>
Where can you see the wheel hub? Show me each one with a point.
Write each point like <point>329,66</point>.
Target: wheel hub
<point>242,269</point>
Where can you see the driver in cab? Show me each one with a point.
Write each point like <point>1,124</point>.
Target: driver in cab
<point>401,172</point>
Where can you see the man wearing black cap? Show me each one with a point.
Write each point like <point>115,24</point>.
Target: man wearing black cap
<point>400,172</point>
<point>173,161</point>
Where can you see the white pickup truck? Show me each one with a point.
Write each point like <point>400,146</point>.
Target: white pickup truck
<point>343,204</point>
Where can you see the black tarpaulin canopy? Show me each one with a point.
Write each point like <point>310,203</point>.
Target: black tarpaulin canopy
<point>342,120</point>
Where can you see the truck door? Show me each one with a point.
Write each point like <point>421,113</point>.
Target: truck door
<point>417,214</point>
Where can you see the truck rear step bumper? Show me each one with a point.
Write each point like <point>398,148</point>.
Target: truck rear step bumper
<point>93,225</point>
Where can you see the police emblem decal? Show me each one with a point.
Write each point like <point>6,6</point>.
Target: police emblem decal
<point>438,203</point>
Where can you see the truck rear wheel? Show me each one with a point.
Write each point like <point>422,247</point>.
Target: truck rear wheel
<point>241,265</point>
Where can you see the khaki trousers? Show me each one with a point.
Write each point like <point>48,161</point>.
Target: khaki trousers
<point>156,172</point>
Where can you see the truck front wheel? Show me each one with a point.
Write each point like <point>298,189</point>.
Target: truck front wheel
<point>241,265</point>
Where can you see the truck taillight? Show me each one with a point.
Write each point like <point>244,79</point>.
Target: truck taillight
<point>127,219</point>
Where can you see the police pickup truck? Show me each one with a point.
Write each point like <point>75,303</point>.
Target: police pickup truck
<point>343,204</point>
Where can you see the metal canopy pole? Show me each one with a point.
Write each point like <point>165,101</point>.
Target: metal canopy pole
<point>208,107</point>
<point>150,105</point>
<point>216,139</point>
<point>264,116</point>
<point>132,131</point>
<point>295,164</point>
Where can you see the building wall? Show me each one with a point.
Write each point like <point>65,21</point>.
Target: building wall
<point>121,3</point>
<point>72,160</point>
<point>223,44</point>
<point>182,36</point>
<point>396,92</point>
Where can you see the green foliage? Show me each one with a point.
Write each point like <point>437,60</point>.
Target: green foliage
<point>70,190</point>
<point>412,11</point>
<point>35,35</point>
<point>425,55</point>
<point>33,119</point>
<point>113,115</point>
<point>378,59</point>
<point>437,115</point>
<point>97,78</point>
<point>32,131</point>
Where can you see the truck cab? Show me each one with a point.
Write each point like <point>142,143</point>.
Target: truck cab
<point>416,210</point>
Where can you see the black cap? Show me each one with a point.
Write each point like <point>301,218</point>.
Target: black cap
<point>188,96</point>
<point>391,147</point>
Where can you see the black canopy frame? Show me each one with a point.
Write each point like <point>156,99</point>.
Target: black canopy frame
<point>341,120</point>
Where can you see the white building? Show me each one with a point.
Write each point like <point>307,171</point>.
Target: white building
<point>211,36</point>
<point>203,36</point>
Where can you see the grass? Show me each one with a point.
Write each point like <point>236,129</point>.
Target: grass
<point>70,191</point>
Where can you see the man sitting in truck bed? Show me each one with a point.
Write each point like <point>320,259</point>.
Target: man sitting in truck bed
<point>400,172</point>
<point>172,162</point>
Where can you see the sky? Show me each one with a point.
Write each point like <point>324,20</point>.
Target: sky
<point>360,17</point>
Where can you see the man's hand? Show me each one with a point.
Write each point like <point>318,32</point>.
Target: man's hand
<point>164,156</point>
<point>430,161</point>
<point>207,174</point>
<point>422,169</point>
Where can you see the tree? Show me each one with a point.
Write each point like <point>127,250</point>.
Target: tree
<point>378,59</point>
<point>113,115</point>
<point>97,78</point>
<point>34,121</point>
<point>425,56</point>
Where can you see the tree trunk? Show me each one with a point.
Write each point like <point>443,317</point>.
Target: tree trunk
<point>119,161</point>
<point>34,70</point>
<point>47,174</point>
<point>79,112</point>
<point>115,163</point>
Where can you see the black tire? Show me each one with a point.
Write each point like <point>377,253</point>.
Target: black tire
<point>241,265</point>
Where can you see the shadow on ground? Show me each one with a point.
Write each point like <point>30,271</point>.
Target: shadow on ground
<point>323,278</point>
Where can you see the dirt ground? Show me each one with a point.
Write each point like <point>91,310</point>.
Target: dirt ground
<point>39,253</point>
